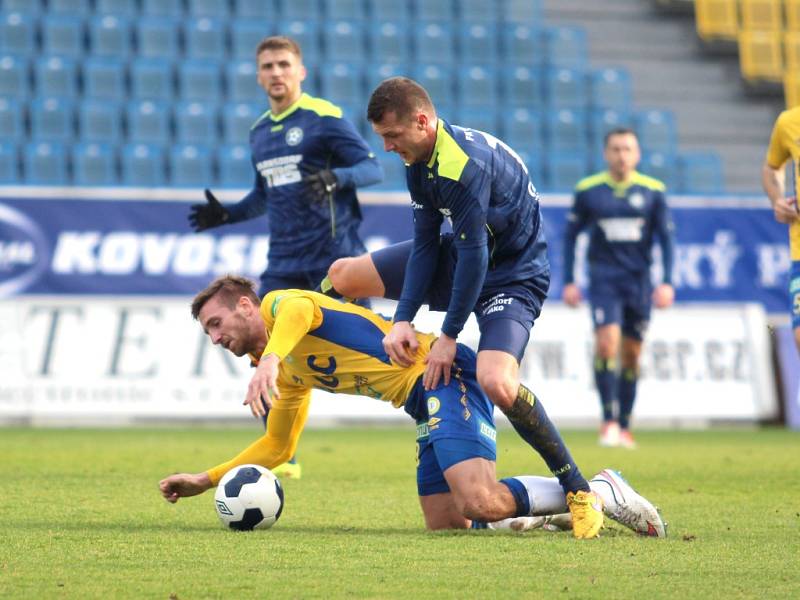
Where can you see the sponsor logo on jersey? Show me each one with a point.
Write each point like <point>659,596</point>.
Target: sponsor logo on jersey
<point>636,200</point>
<point>23,251</point>
<point>294,136</point>
<point>622,229</point>
<point>281,170</point>
<point>433,405</point>
<point>488,431</point>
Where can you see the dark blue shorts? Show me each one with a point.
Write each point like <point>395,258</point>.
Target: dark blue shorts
<point>454,423</point>
<point>505,316</point>
<point>626,301</point>
<point>794,293</point>
<point>303,280</point>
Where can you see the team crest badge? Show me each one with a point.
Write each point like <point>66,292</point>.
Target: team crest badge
<point>294,136</point>
<point>433,405</point>
<point>636,200</point>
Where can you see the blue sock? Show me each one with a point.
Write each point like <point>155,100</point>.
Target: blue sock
<point>605,378</point>
<point>478,525</point>
<point>521,498</point>
<point>627,395</point>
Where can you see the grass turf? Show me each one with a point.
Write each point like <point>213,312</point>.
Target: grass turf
<point>82,518</point>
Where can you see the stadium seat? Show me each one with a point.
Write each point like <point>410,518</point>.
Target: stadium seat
<point>45,163</point>
<point>148,122</point>
<point>566,47</point>
<point>522,86</point>
<point>532,159</point>
<point>208,8</point>
<point>440,10</point>
<point>477,86</point>
<point>717,19</point>
<point>566,130</point>
<point>104,78</point>
<point>69,6</point>
<point>201,80</point>
<point>663,167</point>
<point>349,10</point>
<point>240,78</point>
<point>762,15</point>
<point>143,165</point>
<point>245,35</point>
<point>394,172</point>
<point>610,89</point>
<point>434,42</point>
<point>344,41</point>
<point>204,38</point>
<point>255,9</point>
<point>791,48</point>
<point>190,165</point>
<point>375,73</point>
<point>523,11</point>
<point>566,88</point>
<point>196,123</point>
<point>342,82</point>
<point>657,131</point>
<point>437,80</point>
<point>94,164</point>
<point>52,119</point>
<point>56,76</point>
<point>62,35</point>
<point>235,166</point>
<point>109,35</point>
<point>389,42</point>
<point>792,8</point>
<point>17,34</point>
<point>100,121</point>
<point>12,120</point>
<point>761,55</point>
<point>304,10</point>
<point>478,11</point>
<point>305,33</point>
<point>522,128</point>
<point>118,8</point>
<point>564,169</point>
<point>482,119</point>
<point>152,79</point>
<point>14,80</point>
<point>9,162</point>
<point>791,88</point>
<point>700,173</point>
<point>28,7</point>
<point>523,44</point>
<point>477,43</point>
<point>162,8</point>
<point>157,37</point>
<point>389,10</point>
<point>237,119</point>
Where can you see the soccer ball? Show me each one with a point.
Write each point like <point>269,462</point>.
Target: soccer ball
<point>249,497</point>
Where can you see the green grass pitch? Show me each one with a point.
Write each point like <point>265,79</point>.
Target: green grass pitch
<point>81,517</point>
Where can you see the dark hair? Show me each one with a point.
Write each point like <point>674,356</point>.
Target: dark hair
<point>279,42</point>
<point>229,288</point>
<point>618,131</point>
<point>400,95</point>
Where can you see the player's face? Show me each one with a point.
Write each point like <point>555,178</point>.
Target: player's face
<point>622,155</point>
<point>281,73</point>
<point>407,137</point>
<point>228,327</point>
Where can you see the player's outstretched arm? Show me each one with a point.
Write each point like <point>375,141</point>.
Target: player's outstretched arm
<point>263,385</point>
<point>183,485</point>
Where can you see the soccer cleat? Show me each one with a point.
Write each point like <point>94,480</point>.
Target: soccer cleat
<point>624,505</point>
<point>518,523</point>
<point>587,513</point>
<point>626,440</point>
<point>288,470</point>
<point>609,434</point>
<point>561,522</point>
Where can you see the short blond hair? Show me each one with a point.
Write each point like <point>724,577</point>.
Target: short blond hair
<point>229,288</point>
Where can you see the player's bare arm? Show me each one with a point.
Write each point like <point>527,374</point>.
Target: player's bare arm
<point>183,485</point>
<point>772,179</point>
<point>401,343</point>
<point>263,385</point>
<point>439,361</point>
<point>571,294</point>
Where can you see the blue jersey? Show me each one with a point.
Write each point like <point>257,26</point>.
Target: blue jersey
<point>482,186</point>
<point>306,234</point>
<point>622,219</point>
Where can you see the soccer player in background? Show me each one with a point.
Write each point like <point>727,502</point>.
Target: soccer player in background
<point>784,145</point>
<point>623,211</point>
<point>494,263</point>
<point>303,340</point>
<point>308,162</point>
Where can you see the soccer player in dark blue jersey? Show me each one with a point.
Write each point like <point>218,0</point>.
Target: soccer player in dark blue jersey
<point>308,162</point>
<point>494,263</point>
<point>624,211</point>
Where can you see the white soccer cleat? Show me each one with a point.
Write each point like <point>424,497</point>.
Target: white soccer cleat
<point>518,523</point>
<point>622,504</point>
<point>609,434</point>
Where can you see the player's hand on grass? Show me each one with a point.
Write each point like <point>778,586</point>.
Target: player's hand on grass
<point>211,214</point>
<point>401,344</point>
<point>321,185</point>
<point>182,485</point>
<point>664,296</point>
<point>571,294</point>
<point>439,361</point>
<point>263,385</point>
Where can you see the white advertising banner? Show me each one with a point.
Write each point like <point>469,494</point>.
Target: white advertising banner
<point>104,361</point>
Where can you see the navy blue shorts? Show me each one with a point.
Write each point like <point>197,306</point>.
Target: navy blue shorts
<point>454,423</point>
<point>622,300</point>
<point>505,316</point>
<point>794,293</point>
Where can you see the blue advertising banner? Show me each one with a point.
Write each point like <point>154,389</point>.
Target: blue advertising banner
<point>727,249</point>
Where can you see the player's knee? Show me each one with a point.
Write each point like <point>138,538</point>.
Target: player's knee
<point>502,390</point>
<point>339,274</point>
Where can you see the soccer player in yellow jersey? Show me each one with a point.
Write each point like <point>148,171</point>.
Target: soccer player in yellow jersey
<point>303,340</point>
<point>784,145</point>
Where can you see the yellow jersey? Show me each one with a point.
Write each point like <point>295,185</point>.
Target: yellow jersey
<point>328,345</point>
<point>783,145</point>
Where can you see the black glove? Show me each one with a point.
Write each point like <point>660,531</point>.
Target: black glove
<point>321,184</point>
<point>205,216</point>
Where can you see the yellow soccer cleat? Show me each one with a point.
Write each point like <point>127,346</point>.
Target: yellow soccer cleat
<point>587,514</point>
<point>288,470</point>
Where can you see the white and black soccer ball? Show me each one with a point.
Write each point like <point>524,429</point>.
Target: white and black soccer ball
<point>249,497</point>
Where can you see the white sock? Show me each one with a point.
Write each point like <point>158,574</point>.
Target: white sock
<point>545,495</point>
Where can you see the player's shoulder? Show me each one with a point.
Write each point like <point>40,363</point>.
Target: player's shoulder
<point>789,117</point>
<point>320,106</point>
<point>593,181</point>
<point>650,183</point>
<point>273,300</point>
<point>451,155</point>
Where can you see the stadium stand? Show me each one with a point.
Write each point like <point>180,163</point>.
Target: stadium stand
<point>9,162</point>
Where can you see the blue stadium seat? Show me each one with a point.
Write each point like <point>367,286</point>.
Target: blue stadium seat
<point>100,121</point>
<point>104,78</point>
<point>566,130</point>
<point>344,41</point>
<point>523,44</point>
<point>477,43</point>
<point>12,120</point>
<point>522,128</point>
<point>663,167</point>
<point>56,76</point>
<point>9,163</point>
<point>478,86</point>
<point>566,47</point>
<point>17,33</point>
<point>255,9</point>
<point>342,82</point>
<point>235,167</point>
<point>611,89</point>
<point>157,37</point>
<point>94,164</point>
<point>523,11</point>
<point>565,169</point>
<point>204,38</point>
<point>63,35</point>
<point>478,11</point>
<point>377,72</point>
<point>190,165</point>
<point>600,123</point>
<point>240,78</point>
<point>237,119</point>
<point>152,79</point>
<point>532,159</point>
<point>196,123</point>
<point>434,42</point>
<point>482,119</point>
<point>28,7</point>
<point>350,10</point>
<point>389,42</point>
<point>700,173</point>
<point>522,86</point>
<point>245,35</point>
<point>163,8</point>
<point>14,77</point>
<point>657,131</point>
<point>305,33</point>
<point>148,122</point>
<point>208,8</point>
<point>69,6</point>
<point>143,165</point>
<point>440,10</point>
<point>118,8</point>
<point>200,80</point>
<point>389,10</point>
<point>110,35</point>
<point>566,88</point>
<point>306,10</point>
<point>437,80</point>
<point>394,172</point>
<point>45,163</point>
<point>52,119</point>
